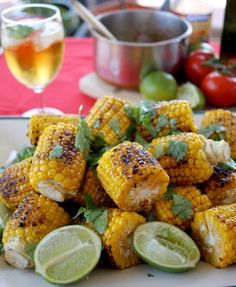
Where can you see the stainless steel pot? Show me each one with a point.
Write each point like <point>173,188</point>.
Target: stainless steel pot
<point>147,40</point>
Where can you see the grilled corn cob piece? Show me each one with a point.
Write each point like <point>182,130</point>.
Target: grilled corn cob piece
<point>105,111</point>
<point>92,186</point>
<point>228,120</point>
<point>57,176</point>
<point>163,207</point>
<point>214,230</point>
<point>132,177</point>
<point>117,239</point>
<point>180,110</point>
<point>197,165</point>
<point>221,187</point>
<point>14,184</point>
<point>35,217</point>
<point>39,122</point>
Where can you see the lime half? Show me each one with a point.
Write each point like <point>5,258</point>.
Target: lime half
<point>67,254</point>
<point>193,95</point>
<point>5,213</point>
<point>165,246</point>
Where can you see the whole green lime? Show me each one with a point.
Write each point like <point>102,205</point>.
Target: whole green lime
<point>158,86</point>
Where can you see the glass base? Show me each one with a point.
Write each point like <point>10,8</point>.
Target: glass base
<point>45,110</point>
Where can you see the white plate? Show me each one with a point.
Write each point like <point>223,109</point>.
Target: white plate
<point>13,136</point>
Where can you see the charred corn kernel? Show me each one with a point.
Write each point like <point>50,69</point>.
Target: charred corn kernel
<point>39,122</point>
<point>118,237</point>
<point>180,110</point>
<point>57,177</point>
<point>32,220</point>
<point>132,177</point>
<point>221,187</point>
<point>106,110</point>
<point>163,207</point>
<point>14,184</point>
<point>197,165</point>
<point>92,186</point>
<point>228,120</point>
<point>214,230</point>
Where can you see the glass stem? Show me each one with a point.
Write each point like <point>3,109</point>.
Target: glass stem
<point>40,91</point>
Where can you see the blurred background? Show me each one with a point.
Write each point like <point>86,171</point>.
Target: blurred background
<point>74,26</point>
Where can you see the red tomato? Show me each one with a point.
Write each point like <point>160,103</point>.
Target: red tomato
<point>194,68</point>
<point>219,89</point>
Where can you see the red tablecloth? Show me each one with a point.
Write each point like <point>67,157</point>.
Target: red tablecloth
<point>63,93</point>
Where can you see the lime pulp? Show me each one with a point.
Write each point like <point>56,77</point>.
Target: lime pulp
<point>67,254</point>
<point>192,94</point>
<point>165,247</point>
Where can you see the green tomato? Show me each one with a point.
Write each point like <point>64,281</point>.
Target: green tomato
<point>158,86</point>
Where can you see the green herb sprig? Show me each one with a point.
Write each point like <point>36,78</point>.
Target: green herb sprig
<point>19,31</point>
<point>56,152</point>
<point>181,205</point>
<point>97,216</point>
<point>214,131</point>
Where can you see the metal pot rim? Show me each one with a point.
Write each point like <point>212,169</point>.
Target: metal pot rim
<point>143,44</point>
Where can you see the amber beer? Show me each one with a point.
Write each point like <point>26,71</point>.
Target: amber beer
<point>36,59</point>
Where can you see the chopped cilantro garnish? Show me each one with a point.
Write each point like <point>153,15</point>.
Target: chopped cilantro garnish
<point>84,137</point>
<point>56,152</point>
<point>26,152</point>
<point>158,151</point>
<point>181,205</point>
<point>128,133</point>
<point>114,123</point>
<point>169,193</point>
<point>214,130</point>
<point>97,216</point>
<point>177,149</point>
<point>139,139</point>
<point>229,165</point>
<point>20,31</point>
<point>96,124</point>
<point>163,120</point>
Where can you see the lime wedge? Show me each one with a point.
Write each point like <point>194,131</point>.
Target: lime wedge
<point>165,247</point>
<point>192,94</point>
<point>5,213</point>
<point>67,254</point>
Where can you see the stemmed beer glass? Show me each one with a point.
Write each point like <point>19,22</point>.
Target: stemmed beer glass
<point>33,43</point>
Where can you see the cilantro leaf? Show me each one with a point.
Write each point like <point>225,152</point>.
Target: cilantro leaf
<point>128,133</point>
<point>182,207</point>
<point>56,152</point>
<point>158,151</point>
<point>169,193</point>
<point>89,201</point>
<point>101,223</point>
<point>229,165</point>
<point>20,31</point>
<point>177,149</point>
<point>132,112</point>
<point>26,152</point>
<point>114,123</point>
<point>215,131</point>
<point>84,137</point>
<point>30,249</point>
<point>2,168</point>
<point>96,124</point>
<point>79,212</point>
<point>162,121</point>
<point>139,139</point>
<point>97,216</point>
